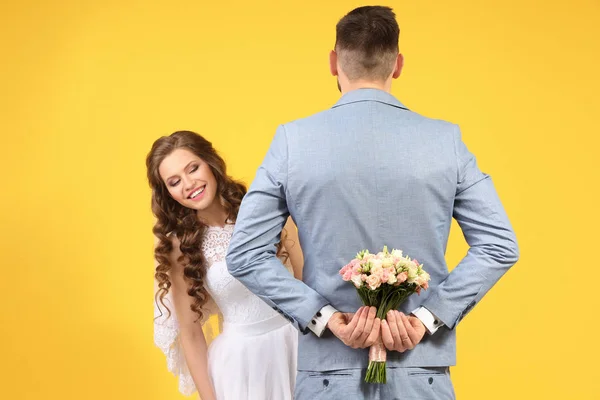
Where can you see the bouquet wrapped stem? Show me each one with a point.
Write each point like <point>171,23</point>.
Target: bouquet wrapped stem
<point>383,280</point>
<point>385,298</point>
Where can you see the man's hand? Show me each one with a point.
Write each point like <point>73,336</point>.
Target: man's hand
<point>359,330</point>
<point>401,333</point>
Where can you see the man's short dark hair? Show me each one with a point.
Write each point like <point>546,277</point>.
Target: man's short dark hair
<point>367,42</point>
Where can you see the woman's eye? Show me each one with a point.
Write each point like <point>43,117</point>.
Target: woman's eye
<point>173,184</point>
<point>194,169</point>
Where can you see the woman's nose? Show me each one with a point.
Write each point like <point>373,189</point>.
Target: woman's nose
<point>188,183</point>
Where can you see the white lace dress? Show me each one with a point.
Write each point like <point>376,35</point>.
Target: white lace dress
<point>255,355</point>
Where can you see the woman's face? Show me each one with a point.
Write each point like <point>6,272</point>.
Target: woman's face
<point>189,179</point>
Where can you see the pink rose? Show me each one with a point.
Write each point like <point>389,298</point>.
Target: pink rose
<point>347,275</point>
<point>345,268</point>
<point>385,276</point>
<point>373,281</point>
<point>422,280</point>
<point>402,276</point>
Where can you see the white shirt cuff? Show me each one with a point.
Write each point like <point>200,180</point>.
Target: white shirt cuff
<point>319,321</point>
<point>431,322</point>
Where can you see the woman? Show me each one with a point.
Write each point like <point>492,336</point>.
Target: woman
<point>196,205</point>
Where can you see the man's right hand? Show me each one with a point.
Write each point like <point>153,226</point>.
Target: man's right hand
<point>359,330</point>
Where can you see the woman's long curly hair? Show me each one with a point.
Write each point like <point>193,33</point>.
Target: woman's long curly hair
<point>174,219</point>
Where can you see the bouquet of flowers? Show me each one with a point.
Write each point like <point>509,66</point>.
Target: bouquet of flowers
<point>384,280</point>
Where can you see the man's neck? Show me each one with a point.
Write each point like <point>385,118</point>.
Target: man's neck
<point>355,85</point>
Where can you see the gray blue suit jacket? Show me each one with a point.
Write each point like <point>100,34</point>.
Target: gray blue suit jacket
<point>367,173</point>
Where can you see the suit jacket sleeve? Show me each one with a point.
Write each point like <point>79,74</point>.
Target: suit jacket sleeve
<point>252,253</point>
<point>492,243</point>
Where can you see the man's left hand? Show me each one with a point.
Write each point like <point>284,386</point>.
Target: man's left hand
<point>400,332</point>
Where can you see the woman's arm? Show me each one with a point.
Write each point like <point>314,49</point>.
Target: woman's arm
<point>193,341</point>
<point>291,244</point>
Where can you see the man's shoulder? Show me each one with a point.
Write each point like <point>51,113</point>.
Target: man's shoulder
<point>308,121</point>
<point>401,118</point>
<point>415,118</point>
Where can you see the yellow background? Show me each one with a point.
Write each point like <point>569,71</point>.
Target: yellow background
<point>87,86</point>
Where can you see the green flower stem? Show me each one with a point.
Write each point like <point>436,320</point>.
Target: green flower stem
<point>376,372</point>
<point>384,298</point>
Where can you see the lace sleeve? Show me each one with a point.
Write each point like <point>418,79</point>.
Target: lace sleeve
<point>167,338</point>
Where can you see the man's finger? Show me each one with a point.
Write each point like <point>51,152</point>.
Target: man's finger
<point>374,335</point>
<point>355,336</point>
<point>369,323</point>
<point>386,335</point>
<point>352,324</point>
<point>349,331</point>
<point>393,324</point>
<point>415,337</point>
<point>406,342</point>
<point>347,317</point>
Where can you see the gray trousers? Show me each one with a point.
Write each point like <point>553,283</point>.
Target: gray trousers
<point>402,384</point>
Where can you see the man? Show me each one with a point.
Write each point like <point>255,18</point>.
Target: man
<point>364,174</point>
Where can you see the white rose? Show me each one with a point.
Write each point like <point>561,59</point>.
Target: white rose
<point>387,262</point>
<point>401,263</point>
<point>397,253</point>
<point>412,271</point>
<point>357,280</point>
<point>377,270</point>
<point>392,279</point>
